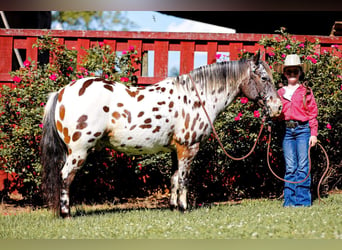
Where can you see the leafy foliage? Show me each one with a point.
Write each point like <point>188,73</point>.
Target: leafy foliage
<point>21,108</point>
<point>92,20</point>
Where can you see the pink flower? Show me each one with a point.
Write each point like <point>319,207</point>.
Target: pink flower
<point>131,48</point>
<point>53,77</point>
<point>41,125</point>
<point>256,113</point>
<point>283,55</point>
<point>288,46</point>
<point>313,60</point>
<point>101,44</point>
<point>218,56</point>
<point>27,63</point>
<point>124,52</point>
<point>17,79</point>
<point>271,54</point>
<point>301,45</point>
<point>70,68</point>
<point>237,118</point>
<point>334,46</point>
<point>124,79</point>
<point>339,76</point>
<point>244,100</point>
<point>328,126</point>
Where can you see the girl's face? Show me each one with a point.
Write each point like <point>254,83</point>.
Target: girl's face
<point>292,74</point>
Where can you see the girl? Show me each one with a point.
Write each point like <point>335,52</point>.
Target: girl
<point>299,112</point>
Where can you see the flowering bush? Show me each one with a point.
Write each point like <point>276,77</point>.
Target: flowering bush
<point>21,108</point>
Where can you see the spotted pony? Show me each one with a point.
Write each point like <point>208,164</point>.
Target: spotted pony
<point>167,116</point>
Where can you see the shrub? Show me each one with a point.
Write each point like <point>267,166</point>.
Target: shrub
<point>21,108</point>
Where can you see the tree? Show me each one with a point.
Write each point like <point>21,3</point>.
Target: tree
<point>92,20</point>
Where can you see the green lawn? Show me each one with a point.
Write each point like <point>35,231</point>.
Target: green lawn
<point>260,219</point>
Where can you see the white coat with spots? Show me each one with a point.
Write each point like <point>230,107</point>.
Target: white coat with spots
<point>167,116</point>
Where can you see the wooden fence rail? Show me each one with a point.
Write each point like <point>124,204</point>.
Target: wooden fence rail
<point>161,43</point>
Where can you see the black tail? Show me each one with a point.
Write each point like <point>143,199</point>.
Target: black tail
<point>53,153</point>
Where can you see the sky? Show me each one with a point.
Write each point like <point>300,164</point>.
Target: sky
<point>157,22</point>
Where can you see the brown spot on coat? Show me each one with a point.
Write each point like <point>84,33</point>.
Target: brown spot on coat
<point>76,136</point>
<point>97,134</point>
<point>62,112</point>
<point>66,135</point>
<point>141,114</point>
<point>59,126</point>
<point>148,120</point>
<point>140,97</point>
<point>129,117</point>
<point>156,130</point>
<point>80,162</point>
<point>145,126</point>
<point>60,95</point>
<point>132,93</point>
<point>116,115</point>
<point>85,85</point>
<point>187,121</point>
<point>109,87</point>
<point>81,124</point>
<point>106,109</point>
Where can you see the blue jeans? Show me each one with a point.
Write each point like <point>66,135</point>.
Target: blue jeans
<point>295,147</point>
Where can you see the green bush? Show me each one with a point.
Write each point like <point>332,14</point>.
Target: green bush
<point>214,176</point>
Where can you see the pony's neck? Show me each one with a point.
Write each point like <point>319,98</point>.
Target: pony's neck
<point>217,84</point>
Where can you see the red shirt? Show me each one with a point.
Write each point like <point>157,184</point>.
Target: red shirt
<point>294,109</point>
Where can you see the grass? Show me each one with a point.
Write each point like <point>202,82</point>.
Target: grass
<point>250,219</point>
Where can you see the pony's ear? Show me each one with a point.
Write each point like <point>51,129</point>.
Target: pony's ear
<point>256,58</point>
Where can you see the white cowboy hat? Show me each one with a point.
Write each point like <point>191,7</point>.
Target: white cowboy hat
<point>292,60</point>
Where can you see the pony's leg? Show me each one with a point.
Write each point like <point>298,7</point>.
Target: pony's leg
<point>185,155</point>
<point>174,181</point>
<point>73,163</point>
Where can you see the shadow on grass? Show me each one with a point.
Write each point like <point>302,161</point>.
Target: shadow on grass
<point>162,205</point>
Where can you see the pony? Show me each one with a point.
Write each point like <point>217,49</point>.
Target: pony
<point>168,116</point>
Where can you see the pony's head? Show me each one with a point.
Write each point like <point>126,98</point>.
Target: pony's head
<point>260,87</point>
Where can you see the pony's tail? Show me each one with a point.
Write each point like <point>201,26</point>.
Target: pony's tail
<point>53,153</point>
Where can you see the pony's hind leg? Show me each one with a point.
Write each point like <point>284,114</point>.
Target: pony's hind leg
<point>185,155</point>
<point>73,163</point>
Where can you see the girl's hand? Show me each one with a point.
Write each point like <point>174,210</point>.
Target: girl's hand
<point>313,141</point>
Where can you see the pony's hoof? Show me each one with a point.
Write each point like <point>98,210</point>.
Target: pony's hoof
<point>173,207</point>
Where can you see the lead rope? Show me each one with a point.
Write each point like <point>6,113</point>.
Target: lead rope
<point>268,147</point>
<point>215,133</point>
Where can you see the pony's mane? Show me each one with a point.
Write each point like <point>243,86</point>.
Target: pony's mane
<point>221,76</point>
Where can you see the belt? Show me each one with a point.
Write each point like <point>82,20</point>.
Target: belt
<point>294,124</point>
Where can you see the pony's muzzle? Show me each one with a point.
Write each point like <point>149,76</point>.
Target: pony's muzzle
<point>274,107</point>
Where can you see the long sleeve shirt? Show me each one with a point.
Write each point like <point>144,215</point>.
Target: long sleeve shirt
<point>294,109</point>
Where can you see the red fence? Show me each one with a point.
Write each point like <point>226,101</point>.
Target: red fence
<point>159,42</point>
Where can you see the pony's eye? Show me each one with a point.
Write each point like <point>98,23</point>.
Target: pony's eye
<point>264,78</point>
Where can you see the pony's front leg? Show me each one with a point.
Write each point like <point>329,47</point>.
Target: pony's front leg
<point>185,156</point>
<point>73,163</point>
